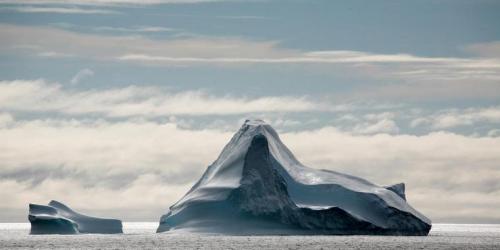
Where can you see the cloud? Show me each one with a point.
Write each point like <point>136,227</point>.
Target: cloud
<point>228,51</point>
<point>106,2</point>
<point>328,57</point>
<point>82,74</point>
<point>99,47</point>
<point>429,89</point>
<point>419,121</point>
<point>459,117</point>
<point>393,76</point>
<point>46,99</point>
<point>368,124</point>
<point>138,165</point>
<point>5,119</point>
<point>380,116</point>
<point>53,54</point>
<point>133,165</point>
<point>40,96</point>
<point>380,126</point>
<point>244,17</point>
<point>143,29</point>
<point>489,49</point>
<point>151,147</point>
<point>57,10</point>
<point>494,133</point>
<point>143,199</point>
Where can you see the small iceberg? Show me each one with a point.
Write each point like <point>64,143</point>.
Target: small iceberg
<point>57,218</point>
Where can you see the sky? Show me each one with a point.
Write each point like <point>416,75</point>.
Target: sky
<point>116,107</point>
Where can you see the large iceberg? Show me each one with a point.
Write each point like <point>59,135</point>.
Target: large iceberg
<point>257,186</point>
<point>57,218</point>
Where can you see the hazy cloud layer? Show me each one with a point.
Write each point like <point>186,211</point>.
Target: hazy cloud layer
<point>386,77</point>
<point>57,10</point>
<point>145,165</point>
<point>99,47</point>
<point>76,147</point>
<point>227,52</point>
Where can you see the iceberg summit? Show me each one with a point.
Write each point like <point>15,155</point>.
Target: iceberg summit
<point>258,187</point>
<point>57,218</point>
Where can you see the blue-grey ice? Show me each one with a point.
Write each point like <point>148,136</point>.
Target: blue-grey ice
<point>257,187</point>
<point>57,218</point>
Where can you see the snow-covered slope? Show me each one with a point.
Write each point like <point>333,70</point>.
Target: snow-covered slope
<point>57,218</point>
<point>257,186</point>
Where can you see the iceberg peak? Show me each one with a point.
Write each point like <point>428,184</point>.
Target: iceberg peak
<point>254,122</point>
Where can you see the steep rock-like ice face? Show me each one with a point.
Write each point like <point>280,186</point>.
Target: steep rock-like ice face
<point>225,173</point>
<point>57,218</point>
<point>256,173</point>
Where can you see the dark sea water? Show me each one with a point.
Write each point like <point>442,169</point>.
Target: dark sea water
<point>139,235</point>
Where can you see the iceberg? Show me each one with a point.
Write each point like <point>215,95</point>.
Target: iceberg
<point>257,187</point>
<point>57,218</point>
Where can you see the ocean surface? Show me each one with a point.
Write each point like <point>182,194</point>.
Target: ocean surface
<point>141,235</point>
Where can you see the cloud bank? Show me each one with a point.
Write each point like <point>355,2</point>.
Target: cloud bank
<point>61,142</point>
<point>138,165</point>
